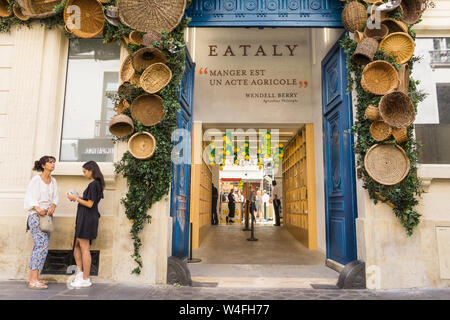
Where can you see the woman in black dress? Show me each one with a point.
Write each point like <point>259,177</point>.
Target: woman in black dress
<point>231,207</point>
<point>86,224</point>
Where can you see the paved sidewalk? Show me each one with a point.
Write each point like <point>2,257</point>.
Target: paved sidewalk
<point>17,290</point>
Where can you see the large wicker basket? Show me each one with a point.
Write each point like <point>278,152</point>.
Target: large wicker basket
<point>394,25</point>
<point>380,130</point>
<point>151,15</point>
<point>400,45</point>
<point>91,18</point>
<point>365,51</point>
<point>127,70</point>
<point>148,109</point>
<point>372,113</point>
<point>121,125</point>
<point>156,77</point>
<point>412,9</point>
<point>400,135</point>
<point>4,12</point>
<point>387,164</point>
<point>403,74</point>
<point>379,77</point>
<point>377,34</point>
<point>38,8</point>
<point>145,57</point>
<point>142,145</point>
<point>397,110</point>
<point>354,16</point>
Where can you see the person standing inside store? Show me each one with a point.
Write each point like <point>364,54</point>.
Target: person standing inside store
<point>215,197</point>
<point>231,207</point>
<point>258,204</point>
<point>276,203</point>
<point>41,198</point>
<point>252,200</point>
<point>86,224</point>
<point>265,200</point>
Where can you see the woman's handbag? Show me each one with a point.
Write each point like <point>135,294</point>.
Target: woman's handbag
<point>46,223</point>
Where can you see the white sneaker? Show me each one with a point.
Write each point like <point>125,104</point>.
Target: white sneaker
<point>81,283</point>
<point>79,275</point>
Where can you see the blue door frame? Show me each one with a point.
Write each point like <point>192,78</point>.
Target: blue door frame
<point>339,159</point>
<point>181,184</point>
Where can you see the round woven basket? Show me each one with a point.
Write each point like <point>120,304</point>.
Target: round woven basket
<point>394,25</point>
<point>372,113</point>
<point>151,15</point>
<point>365,51</point>
<point>397,110</point>
<point>150,37</point>
<point>121,125</point>
<point>354,16</point>
<point>156,77</point>
<point>400,45</point>
<point>377,34</point>
<point>412,9</point>
<point>148,109</point>
<point>387,164</point>
<point>4,12</point>
<point>135,37</point>
<point>145,57</point>
<point>142,145</point>
<point>122,106</point>
<point>91,18</point>
<point>127,70</point>
<point>19,14</point>
<point>403,74</point>
<point>400,135</point>
<point>379,77</point>
<point>125,89</point>
<point>380,130</point>
<point>38,8</point>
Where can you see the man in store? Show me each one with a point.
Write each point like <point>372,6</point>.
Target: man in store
<point>215,197</point>
<point>276,203</point>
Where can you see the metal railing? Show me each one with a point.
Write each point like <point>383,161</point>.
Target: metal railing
<point>440,58</point>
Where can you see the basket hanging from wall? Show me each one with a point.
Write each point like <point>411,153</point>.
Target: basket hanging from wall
<point>379,77</point>
<point>365,51</point>
<point>121,125</point>
<point>354,16</point>
<point>38,8</point>
<point>400,45</point>
<point>387,164</point>
<point>394,25</point>
<point>155,77</point>
<point>372,113</point>
<point>397,110</point>
<point>135,37</point>
<point>4,12</point>
<point>151,15</point>
<point>403,74</point>
<point>142,145</point>
<point>148,109</point>
<point>125,89</point>
<point>127,70</point>
<point>111,14</point>
<point>19,14</point>
<point>412,10</point>
<point>91,18</point>
<point>145,57</point>
<point>358,36</point>
<point>400,134</point>
<point>377,34</point>
<point>380,130</point>
<point>122,106</point>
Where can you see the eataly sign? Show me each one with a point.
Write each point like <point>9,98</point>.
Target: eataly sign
<point>245,50</point>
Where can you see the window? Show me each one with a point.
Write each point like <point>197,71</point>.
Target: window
<point>440,55</point>
<point>92,75</point>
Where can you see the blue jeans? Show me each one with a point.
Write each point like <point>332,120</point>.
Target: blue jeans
<point>40,238</point>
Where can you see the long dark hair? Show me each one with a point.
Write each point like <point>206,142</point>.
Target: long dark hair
<point>96,173</point>
<point>41,162</point>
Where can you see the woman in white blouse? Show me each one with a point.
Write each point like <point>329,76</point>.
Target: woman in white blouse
<point>41,199</point>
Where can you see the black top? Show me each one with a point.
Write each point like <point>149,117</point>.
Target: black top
<point>215,194</point>
<point>86,225</point>
<point>93,192</point>
<point>230,198</point>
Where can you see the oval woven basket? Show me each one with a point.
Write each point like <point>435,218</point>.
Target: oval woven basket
<point>412,9</point>
<point>395,25</point>
<point>91,18</point>
<point>397,110</point>
<point>135,37</point>
<point>400,45</point>
<point>377,34</point>
<point>365,51</point>
<point>156,77</point>
<point>372,113</point>
<point>380,130</point>
<point>151,15</point>
<point>121,125</point>
<point>145,57</point>
<point>4,12</point>
<point>400,135</point>
<point>38,8</point>
<point>379,77</point>
<point>127,70</point>
<point>122,106</point>
<point>148,109</point>
<point>142,145</point>
<point>19,14</point>
<point>387,164</point>
<point>354,16</point>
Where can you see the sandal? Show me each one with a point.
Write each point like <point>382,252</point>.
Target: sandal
<point>37,285</point>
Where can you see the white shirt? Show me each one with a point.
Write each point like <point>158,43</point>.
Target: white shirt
<point>39,194</point>
<point>265,198</point>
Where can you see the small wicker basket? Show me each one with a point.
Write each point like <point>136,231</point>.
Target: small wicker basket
<point>142,145</point>
<point>91,18</point>
<point>400,135</point>
<point>155,77</point>
<point>135,37</point>
<point>358,36</point>
<point>121,125</point>
<point>377,34</point>
<point>125,89</point>
<point>354,16</point>
<point>38,8</point>
<point>412,9</point>
<point>372,113</point>
<point>365,51</point>
<point>397,110</point>
<point>127,70</point>
<point>122,106</point>
<point>145,57</point>
<point>19,14</point>
<point>403,74</point>
<point>380,130</point>
<point>4,12</point>
<point>400,45</point>
<point>394,25</point>
<point>148,109</point>
<point>379,77</point>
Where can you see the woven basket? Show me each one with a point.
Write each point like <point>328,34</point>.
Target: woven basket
<point>394,25</point>
<point>142,145</point>
<point>135,38</point>
<point>365,51</point>
<point>121,125</point>
<point>372,113</point>
<point>156,77</point>
<point>387,164</point>
<point>91,18</point>
<point>403,74</point>
<point>38,8</point>
<point>150,37</point>
<point>151,15</point>
<point>377,34</point>
<point>148,109</point>
<point>145,57</point>
<point>127,70</point>
<point>380,130</point>
<point>125,89</point>
<point>358,36</point>
<point>379,77</point>
<point>19,14</point>
<point>136,80</point>
<point>400,45</point>
<point>412,9</point>
<point>4,12</point>
<point>400,135</point>
<point>122,106</point>
<point>397,110</point>
<point>354,16</point>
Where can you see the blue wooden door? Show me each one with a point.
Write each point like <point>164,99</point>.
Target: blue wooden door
<point>339,161</point>
<point>180,193</point>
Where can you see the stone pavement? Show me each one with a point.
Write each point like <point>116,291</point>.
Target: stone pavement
<point>17,290</point>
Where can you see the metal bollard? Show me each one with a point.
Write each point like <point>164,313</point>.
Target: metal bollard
<point>246,217</point>
<point>252,234</point>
